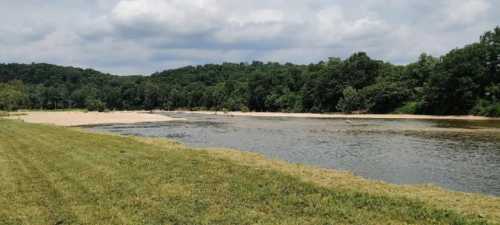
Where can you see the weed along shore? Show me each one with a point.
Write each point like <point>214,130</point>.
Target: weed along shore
<point>57,175</point>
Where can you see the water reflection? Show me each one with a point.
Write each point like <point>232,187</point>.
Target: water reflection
<point>459,155</point>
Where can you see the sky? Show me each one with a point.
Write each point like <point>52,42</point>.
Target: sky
<point>143,36</point>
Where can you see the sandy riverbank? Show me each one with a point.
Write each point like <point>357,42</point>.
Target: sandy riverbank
<point>341,116</point>
<point>74,118</point>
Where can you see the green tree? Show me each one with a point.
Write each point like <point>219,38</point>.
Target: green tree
<point>351,101</point>
<point>383,97</point>
<point>93,104</point>
<point>151,95</point>
<point>456,83</point>
<point>12,95</point>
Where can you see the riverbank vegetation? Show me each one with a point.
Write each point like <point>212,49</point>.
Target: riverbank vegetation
<point>464,81</point>
<point>52,175</point>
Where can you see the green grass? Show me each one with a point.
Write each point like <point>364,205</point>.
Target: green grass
<point>51,175</point>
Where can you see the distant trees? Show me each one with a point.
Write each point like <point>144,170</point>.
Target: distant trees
<point>464,81</point>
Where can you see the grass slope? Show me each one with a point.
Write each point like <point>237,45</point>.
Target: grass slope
<point>51,175</point>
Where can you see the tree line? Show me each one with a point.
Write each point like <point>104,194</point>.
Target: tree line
<point>464,81</point>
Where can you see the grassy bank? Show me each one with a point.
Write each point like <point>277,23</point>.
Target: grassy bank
<point>52,175</point>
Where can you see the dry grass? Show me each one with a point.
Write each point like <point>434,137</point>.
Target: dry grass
<point>466,203</point>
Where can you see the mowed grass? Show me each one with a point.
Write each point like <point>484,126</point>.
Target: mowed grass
<point>51,175</point>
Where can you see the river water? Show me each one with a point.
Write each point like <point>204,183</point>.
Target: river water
<point>458,155</point>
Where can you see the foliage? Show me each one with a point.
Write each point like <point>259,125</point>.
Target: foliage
<point>457,81</point>
<point>452,84</point>
<point>351,101</point>
<point>12,95</point>
<point>93,104</point>
<point>485,108</point>
<point>383,97</point>
<point>407,108</point>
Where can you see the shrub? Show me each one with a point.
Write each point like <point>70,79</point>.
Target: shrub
<point>12,96</point>
<point>407,108</point>
<point>95,105</point>
<point>351,101</point>
<point>383,97</point>
<point>486,108</point>
<point>244,108</point>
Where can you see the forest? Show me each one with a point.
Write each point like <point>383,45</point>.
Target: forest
<point>464,81</point>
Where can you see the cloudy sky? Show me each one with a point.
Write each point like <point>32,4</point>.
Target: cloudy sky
<point>143,36</point>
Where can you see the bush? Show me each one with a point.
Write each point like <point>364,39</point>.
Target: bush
<point>12,96</point>
<point>95,105</point>
<point>486,108</point>
<point>351,101</point>
<point>383,97</point>
<point>407,108</point>
<point>244,108</point>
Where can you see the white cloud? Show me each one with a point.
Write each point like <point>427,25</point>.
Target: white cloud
<point>172,16</point>
<point>465,12</point>
<point>131,36</point>
<point>261,16</point>
<point>334,27</point>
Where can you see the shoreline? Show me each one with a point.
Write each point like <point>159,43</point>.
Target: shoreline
<point>340,116</point>
<point>80,118</point>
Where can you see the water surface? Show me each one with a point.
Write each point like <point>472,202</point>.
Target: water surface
<point>458,155</point>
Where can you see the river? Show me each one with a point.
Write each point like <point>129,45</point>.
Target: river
<point>458,155</point>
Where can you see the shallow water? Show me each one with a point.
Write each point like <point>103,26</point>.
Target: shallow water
<point>459,155</point>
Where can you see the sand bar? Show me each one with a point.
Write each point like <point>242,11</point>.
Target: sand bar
<point>341,116</point>
<point>74,118</point>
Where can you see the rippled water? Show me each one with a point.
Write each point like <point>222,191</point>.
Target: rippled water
<point>459,155</point>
